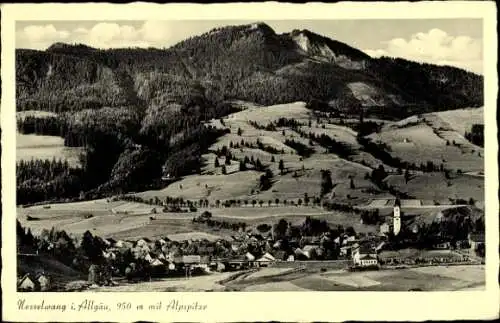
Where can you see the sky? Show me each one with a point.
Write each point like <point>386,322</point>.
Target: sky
<point>454,42</point>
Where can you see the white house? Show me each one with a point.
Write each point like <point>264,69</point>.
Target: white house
<point>368,261</point>
<point>109,255</point>
<point>27,283</point>
<point>44,282</point>
<point>249,256</point>
<point>149,258</point>
<point>476,240</point>
<point>384,228</point>
<point>266,259</point>
<point>364,256</point>
<point>310,250</point>
<point>142,243</point>
<point>157,263</point>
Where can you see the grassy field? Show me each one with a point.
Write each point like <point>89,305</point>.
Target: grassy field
<point>437,278</point>
<point>45,147</point>
<point>34,113</point>
<point>419,144</point>
<point>295,215</point>
<point>195,284</point>
<point>435,186</point>
<point>212,187</point>
<point>419,139</point>
<point>460,120</point>
<point>98,217</point>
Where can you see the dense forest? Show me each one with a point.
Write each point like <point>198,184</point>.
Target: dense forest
<point>122,152</point>
<point>476,135</point>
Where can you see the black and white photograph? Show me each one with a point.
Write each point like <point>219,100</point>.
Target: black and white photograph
<point>231,155</point>
<point>247,155</point>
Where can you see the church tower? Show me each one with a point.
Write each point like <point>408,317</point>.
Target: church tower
<point>397,217</point>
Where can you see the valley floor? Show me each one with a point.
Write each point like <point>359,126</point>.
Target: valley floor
<point>433,278</point>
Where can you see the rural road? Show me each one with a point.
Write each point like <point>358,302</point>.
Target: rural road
<point>442,206</point>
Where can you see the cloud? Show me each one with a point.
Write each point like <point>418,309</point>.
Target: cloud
<point>41,34</point>
<point>435,47</point>
<point>111,35</point>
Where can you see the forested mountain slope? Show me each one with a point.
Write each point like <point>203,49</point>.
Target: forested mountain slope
<point>249,62</point>
<point>141,114</point>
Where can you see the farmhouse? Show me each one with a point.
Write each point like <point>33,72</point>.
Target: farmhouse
<point>442,245</point>
<point>265,259</point>
<point>143,242</point>
<point>310,251</point>
<point>28,283</point>
<point>280,255</point>
<point>44,282</point>
<point>123,244</point>
<point>364,256</point>
<point>249,256</point>
<point>384,229</point>
<point>191,259</point>
<point>476,240</point>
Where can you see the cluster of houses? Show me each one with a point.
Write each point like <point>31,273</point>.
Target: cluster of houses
<point>251,249</point>
<point>39,282</point>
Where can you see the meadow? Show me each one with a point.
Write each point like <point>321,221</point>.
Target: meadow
<point>415,138</point>
<point>99,218</point>
<point>451,278</point>
<point>45,147</point>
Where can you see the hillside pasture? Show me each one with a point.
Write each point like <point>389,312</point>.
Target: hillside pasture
<point>460,120</point>
<point>419,144</point>
<point>339,133</point>
<point>296,110</point>
<point>34,113</point>
<point>308,180</point>
<point>435,186</point>
<point>250,213</point>
<point>196,235</point>
<point>296,215</point>
<point>32,146</point>
<point>212,187</point>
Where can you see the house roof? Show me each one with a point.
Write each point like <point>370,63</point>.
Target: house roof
<point>477,237</point>
<point>157,262</point>
<point>310,247</point>
<point>280,254</point>
<point>366,249</point>
<point>268,256</point>
<point>249,256</point>
<point>28,277</point>
<point>367,257</point>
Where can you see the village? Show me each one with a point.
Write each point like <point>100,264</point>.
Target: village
<point>108,262</point>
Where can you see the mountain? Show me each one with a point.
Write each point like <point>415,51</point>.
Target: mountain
<point>248,62</point>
